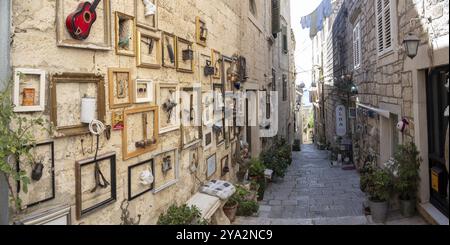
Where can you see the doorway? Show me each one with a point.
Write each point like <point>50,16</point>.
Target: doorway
<point>437,102</point>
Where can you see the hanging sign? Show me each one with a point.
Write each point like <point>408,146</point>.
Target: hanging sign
<point>341,121</point>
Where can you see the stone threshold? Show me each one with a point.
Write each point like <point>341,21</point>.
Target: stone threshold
<point>432,215</point>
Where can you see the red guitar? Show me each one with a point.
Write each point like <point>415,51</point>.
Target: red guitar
<point>79,23</point>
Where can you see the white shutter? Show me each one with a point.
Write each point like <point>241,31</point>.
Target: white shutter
<point>384,25</point>
<point>357,46</point>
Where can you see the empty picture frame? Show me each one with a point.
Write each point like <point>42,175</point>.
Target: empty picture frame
<point>141,179</point>
<point>141,131</point>
<point>201,31</point>
<point>41,171</point>
<point>55,216</point>
<point>89,196</point>
<point>148,45</point>
<point>225,165</point>
<point>146,13</point>
<point>29,90</point>
<point>216,59</point>
<point>211,166</point>
<point>100,33</point>
<point>168,99</point>
<point>190,116</point>
<point>166,170</point>
<point>144,91</point>
<point>169,53</point>
<point>125,34</point>
<point>120,88</point>
<point>185,56</point>
<point>67,91</point>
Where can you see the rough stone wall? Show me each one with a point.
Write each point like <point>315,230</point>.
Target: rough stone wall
<point>34,46</point>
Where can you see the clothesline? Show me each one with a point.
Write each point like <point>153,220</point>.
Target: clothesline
<point>315,20</point>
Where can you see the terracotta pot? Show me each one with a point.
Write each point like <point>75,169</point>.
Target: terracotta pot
<point>230,212</point>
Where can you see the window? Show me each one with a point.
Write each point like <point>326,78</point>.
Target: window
<point>276,25</point>
<point>285,40</point>
<point>357,46</point>
<point>384,25</point>
<point>285,87</point>
<point>253,9</point>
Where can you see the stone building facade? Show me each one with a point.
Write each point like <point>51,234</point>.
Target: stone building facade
<point>365,51</point>
<point>234,27</point>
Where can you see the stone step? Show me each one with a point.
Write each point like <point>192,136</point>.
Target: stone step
<point>351,220</point>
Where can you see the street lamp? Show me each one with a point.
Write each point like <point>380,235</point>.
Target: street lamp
<point>411,44</point>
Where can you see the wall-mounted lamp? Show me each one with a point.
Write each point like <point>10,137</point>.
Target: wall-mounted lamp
<point>411,43</point>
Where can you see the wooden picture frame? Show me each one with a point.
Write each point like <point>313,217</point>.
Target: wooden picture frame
<point>125,45</point>
<point>224,165</point>
<point>168,120</point>
<point>211,166</point>
<point>120,92</point>
<point>70,107</point>
<point>167,171</point>
<point>185,55</point>
<point>149,43</point>
<point>149,22</point>
<point>191,116</point>
<point>117,122</point>
<point>216,59</point>
<point>144,91</point>
<point>47,172</point>
<point>27,92</point>
<point>169,50</point>
<point>56,216</point>
<point>63,38</point>
<point>149,142</point>
<point>150,165</point>
<point>200,28</point>
<point>80,211</point>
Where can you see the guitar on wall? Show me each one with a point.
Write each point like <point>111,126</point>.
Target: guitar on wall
<point>79,23</point>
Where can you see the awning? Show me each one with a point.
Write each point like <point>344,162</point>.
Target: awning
<point>381,112</point>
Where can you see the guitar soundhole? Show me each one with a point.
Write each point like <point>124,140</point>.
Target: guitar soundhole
<point>87,17</point>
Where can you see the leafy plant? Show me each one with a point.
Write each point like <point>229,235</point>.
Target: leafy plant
<point>16,139</point>
<point>277,157</point>
<point>182,215</point>
<point>379,185</point>
<point>407,160</point>
<point>257,168</point>
<point>247,208</point>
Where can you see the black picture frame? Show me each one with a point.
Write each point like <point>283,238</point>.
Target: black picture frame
<point>52,147</point>
<point>80,212</point>
<point>217,108</point>
<point>131,197</point>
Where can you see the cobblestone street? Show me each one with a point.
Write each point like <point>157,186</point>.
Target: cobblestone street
<point>314,193</point>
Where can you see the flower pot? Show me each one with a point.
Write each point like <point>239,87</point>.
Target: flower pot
<point>230,212</point>
<point>407,208</point>
<point>379,211</point>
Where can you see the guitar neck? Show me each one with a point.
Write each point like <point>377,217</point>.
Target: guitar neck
<point>94,5</point>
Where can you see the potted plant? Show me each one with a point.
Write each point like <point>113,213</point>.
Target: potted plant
<point>256,169</point>
<point>379,188</point>
<point>231,207</point>
<point>182,215</point>
<point>407,160</point>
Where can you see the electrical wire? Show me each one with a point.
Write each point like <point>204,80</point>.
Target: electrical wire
<point>97,128</point>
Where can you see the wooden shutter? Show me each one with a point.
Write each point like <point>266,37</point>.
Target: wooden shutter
<point>357,46</point>
<point>384,25</point>
<point>276,24</point>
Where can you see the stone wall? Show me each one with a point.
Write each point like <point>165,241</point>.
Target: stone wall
<point>230,31</point>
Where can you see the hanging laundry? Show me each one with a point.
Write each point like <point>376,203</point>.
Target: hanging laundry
<point>315,20</point>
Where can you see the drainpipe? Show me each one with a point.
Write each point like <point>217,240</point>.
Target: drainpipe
<point>5,67</point>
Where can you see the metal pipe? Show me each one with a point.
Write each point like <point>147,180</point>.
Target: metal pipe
<point>5,71</point>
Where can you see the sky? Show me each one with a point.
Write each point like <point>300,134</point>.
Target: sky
<point>303,52</point>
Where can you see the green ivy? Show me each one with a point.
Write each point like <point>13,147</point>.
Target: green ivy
<point>407,160</point>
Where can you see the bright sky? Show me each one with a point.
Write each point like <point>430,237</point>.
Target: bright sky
<point>303,52</point>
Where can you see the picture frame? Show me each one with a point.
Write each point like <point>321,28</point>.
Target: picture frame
<point>40,172</point>
<point>82,212</point>
<point>207,138</point>
<point>185,56</point>
<point>224,166</point>
<point>211,166</point>
<point>125,34</point>
<point>144,91</point>
<point>148,137</point>
<point>120,88</point>
<point>191,116</point>
<point>117,121</point>
<point>148,46</point>
<point>216,59</point>
<point>169,50</point>
<point>65,85</point>
<point>166,169</point>
<point>149,22</point>
<point>205,68</point>
<point>133,191</point>
<point>194,159</point>
<point>219,115</point>
<point>55,216</point>
<point>201,31</point>
<point>169,114</point>
<point>28,90</point>
<point>101,42</point>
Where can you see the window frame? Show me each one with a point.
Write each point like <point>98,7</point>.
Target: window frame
<point>357,54</point>
<point>383,50</point>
